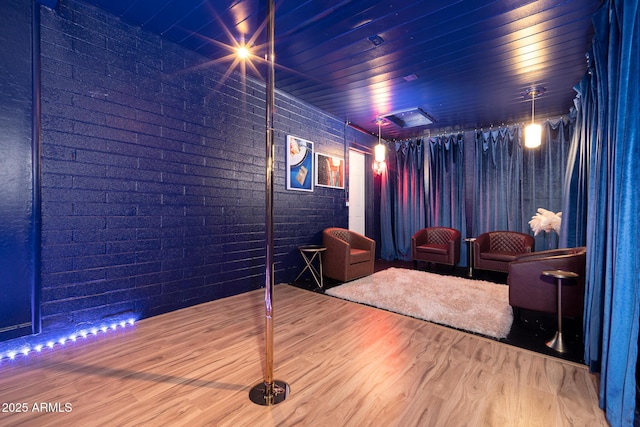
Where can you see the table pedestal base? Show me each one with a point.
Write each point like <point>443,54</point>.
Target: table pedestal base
<point>558,343</point>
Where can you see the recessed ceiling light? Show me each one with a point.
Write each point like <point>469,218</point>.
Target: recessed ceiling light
<point>362,24</point>
<point>411,77</point>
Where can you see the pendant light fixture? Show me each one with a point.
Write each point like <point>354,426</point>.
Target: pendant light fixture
<point>533,132</point>
<point>379,152</point>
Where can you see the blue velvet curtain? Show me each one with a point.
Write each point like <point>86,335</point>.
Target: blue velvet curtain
<point>387,242</point>
<point>543,176</point>
<point>512,182</point>
<point>445,185</point>
<point>419,189</point>
<point>574,194</point>
<point>606,154</point>
<point>403,199</point>
<point>497,198</point>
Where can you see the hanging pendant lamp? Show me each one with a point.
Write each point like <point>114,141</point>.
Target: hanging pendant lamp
<point>533,132</point>
<point>379,152</point>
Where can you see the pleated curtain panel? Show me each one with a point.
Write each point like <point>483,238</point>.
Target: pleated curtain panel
<point>497,190</point>
<point>543,176</point>
<point>445,185</point>
<point>602,198</point>
<point>403,199</point>
<point>588,167</point>
<point>425,185</point>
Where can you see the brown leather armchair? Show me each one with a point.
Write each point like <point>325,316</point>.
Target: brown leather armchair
<point>349,255</point>
<point>496,249</point>
<point>530,289</point>
<point>440,245</point>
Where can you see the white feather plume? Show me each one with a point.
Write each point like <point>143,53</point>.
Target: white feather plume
<point>546,221</point>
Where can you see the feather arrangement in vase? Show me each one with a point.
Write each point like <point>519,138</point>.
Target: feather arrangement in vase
<point>546,221</point>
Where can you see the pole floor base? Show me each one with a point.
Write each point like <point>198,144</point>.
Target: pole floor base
<point>265,395</point>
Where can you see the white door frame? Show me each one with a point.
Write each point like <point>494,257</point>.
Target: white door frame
<point>357,191</point>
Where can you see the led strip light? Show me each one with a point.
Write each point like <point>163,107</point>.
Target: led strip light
<point>26,350</point>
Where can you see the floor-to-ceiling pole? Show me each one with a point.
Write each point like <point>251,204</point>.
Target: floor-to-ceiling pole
<point>270,391</point>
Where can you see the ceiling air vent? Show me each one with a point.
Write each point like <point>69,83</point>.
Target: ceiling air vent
<point>376,40</point>
<point>410,118</point>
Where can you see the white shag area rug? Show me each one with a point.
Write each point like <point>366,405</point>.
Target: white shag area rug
<point>471,305</point>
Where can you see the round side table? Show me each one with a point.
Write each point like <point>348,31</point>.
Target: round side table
<point>470,241</point>
<point>557,342</point>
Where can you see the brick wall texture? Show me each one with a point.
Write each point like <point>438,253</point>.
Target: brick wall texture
<point>153,173</point>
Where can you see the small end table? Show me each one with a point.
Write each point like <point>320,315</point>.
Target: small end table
<point>470,241</point>
<point>557,342</point>
<point>309,254</point>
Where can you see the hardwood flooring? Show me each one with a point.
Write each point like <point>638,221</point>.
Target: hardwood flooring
<point>531,333</point>
<point>346,364</point>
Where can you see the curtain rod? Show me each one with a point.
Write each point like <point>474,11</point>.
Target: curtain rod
<point>429,135</point>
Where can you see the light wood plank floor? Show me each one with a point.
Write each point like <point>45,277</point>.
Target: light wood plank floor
<point>347,365</point>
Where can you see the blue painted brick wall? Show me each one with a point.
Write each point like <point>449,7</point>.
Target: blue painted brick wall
<point>153,174</point>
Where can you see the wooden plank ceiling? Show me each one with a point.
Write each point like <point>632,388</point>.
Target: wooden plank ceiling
<point>467,64</point>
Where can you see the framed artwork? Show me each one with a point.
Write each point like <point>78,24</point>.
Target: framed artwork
<point>329,171</point>
<point>299,164</point>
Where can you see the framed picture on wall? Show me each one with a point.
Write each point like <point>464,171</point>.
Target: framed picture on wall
<point>329,171</point>
<point>300,171</point>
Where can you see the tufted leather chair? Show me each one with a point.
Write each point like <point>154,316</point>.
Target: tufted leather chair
<point>530,289</point>
<point>349,255</point>
<point>440,245</point>
<point>496,249</point>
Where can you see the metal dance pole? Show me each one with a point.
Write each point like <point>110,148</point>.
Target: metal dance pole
<point>269,392</point>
